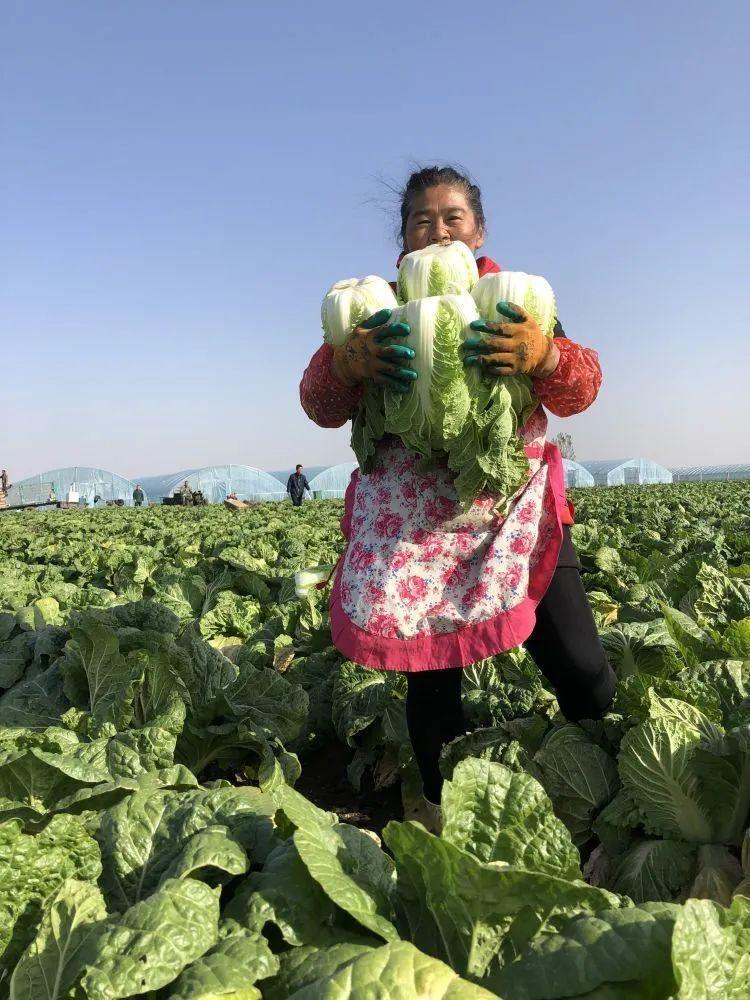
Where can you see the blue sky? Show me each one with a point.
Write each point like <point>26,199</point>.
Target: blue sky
<point>182,182</point>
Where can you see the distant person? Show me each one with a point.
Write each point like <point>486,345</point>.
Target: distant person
<point>138,496</point>
<point>187,494</point>
<point>4,481</point>
<point>296,486</point>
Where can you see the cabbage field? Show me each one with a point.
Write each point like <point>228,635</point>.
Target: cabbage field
<point>163,691</point>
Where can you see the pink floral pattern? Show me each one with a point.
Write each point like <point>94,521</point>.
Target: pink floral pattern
<point>418,566</point>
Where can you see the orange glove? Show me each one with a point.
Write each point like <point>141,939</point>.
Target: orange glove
<point>369,354</point>
<point>515,348</point>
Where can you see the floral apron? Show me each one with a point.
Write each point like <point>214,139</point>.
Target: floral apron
<point>422,586</point>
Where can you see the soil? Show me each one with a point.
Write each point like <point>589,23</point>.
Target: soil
<point>325,783</point>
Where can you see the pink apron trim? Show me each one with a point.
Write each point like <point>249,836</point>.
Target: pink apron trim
<point>468,644</point>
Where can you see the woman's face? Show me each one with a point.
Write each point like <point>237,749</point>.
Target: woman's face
<point>441,214</point>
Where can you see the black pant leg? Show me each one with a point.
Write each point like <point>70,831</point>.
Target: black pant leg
<point>434,715</point>
<point>567,649</point>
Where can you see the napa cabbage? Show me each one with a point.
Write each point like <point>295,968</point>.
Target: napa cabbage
<point>348,303</point>
<point>530,291</point>
<point>453,414</point>
<point>437,270</point>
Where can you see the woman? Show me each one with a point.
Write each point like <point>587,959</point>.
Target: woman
<point>422,588</point>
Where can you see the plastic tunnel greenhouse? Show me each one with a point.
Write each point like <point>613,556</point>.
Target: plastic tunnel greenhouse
<point>711,473</point>
<point>88,483</point>
<point>576,474</point>
<point>216,482</point>
<point>628,472</point>
<point>331,483</point>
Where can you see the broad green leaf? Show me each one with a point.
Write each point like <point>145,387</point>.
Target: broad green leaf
<point>228,970</point>
<point>718,875</point>
<point>32,867</point>
<point>723,770</point>
<point>630,946</point>
<point>694,642</point>
<point>641,647</point>
<point>286,895</point>
<point>36,703</point>
<point>711,950</point>
<point>460,909</point>
<point>157,834</point>
<point>210,848</point>
<point>654,870</point>
<point>399,970</point>
<point>15,655</point>
<point>300,967</point>
<point>657,768</point>
<point>66,943</point>
<point>266,700</point>
<point>150,945</point>
<point>736,639</point>
<point>497,815</point>
<point>97,676</point>
<point>578,775</point>
<point>362,696</point>
<point>352,871</point>
<point>40,779</point>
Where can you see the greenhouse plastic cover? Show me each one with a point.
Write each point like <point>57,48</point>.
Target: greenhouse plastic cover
<point>631,471</point>
<point>576,474</point>
<point>332,483</point>
<point>86,482</point>
<point>216,482</point>
<point>710,473</point>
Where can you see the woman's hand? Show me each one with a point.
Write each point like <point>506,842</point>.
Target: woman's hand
<point>369,354</point>
<point>515,348</point>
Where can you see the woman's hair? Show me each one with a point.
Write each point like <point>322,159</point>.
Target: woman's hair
<point>429,177</point>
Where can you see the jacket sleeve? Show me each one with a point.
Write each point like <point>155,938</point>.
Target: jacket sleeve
<point>573,385</point>
<point>324,399</point>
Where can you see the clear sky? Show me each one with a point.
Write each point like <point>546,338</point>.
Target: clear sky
<point>182,181</point>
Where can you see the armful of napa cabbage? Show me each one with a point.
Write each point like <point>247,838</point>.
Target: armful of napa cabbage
<point>574,383</point>
<point>325,399</point>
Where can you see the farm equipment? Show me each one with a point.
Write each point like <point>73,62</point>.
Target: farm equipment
<point>185,498</point>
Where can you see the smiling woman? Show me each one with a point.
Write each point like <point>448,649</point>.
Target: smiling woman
<point>429,585</point>
<point>440,205</point>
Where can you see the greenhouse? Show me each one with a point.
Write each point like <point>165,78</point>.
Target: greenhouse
<point>711,473</point>
<point>332,483</point>
<point>75,484</point>
<point>576,474</point>
<point>628,472</point>
<point>216,482</point>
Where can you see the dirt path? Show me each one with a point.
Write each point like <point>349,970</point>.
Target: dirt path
<point>324,782</point>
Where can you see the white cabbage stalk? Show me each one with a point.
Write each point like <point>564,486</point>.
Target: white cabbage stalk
<point>435,408</point>
<point>533,293</point>
<point>437,270</point>
<point>349,303</point>
<point>306,579</point>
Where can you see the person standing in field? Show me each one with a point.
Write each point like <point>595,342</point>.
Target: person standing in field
<point>4,481</point>
<point>423,589</point>
<point>296,486</point>
<point>138,496</point>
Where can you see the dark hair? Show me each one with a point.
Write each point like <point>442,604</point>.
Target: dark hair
<point>298,466</point>
<point>429,177</point>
